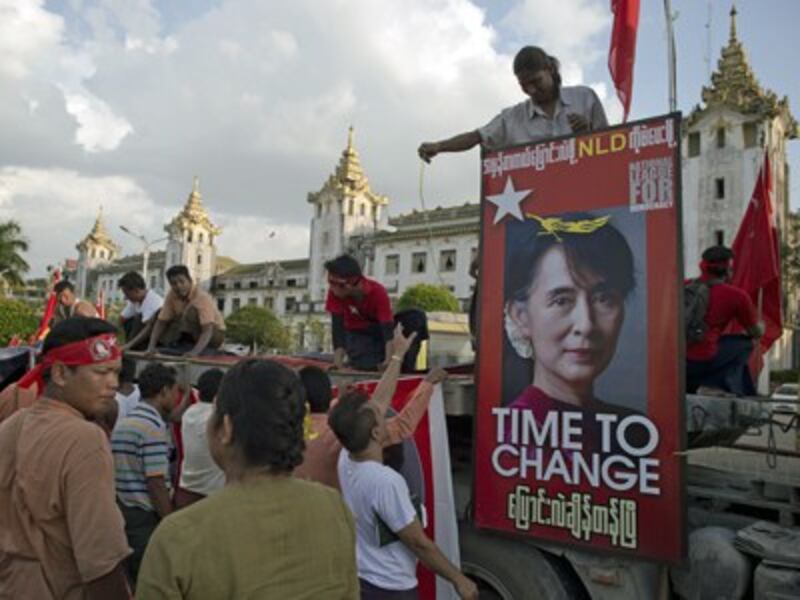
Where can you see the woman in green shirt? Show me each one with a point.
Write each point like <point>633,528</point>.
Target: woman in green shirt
<point>265,535</point>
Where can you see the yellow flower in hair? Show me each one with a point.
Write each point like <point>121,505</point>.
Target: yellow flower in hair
<point>308,426</point>
<point>554,225</point>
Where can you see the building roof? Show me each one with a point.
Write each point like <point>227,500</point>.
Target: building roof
<point>224,264</point>
<point>98,236</point>
<point>438,222</point>
<point>260,268</point>
<point>193,213</point>
<point>348,179</point>
<point>734,85</point>
<point>133,262</point>
<point>439,215</point>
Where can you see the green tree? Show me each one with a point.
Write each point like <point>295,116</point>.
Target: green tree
<point>257,327</point>
<point>16,318</point>
<point>429,298</point>
<point>12,244</point>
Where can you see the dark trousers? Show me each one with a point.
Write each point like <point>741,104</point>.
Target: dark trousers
<point>139,526</point>
<point>728,370</point>
<point>132,327</point>
<point>365,351</point>
<point>182,334</point>
<point>372,592</point>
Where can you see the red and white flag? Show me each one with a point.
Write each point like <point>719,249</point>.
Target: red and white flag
<point>100,305</point>
<point>756,261</point>
<point>622,51</point>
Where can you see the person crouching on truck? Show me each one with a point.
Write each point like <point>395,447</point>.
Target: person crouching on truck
<point>69,305</point>
<point>189,321</point>
<point>550,110</point>
<point>564,310</point>
<point>719,363</point>
<point>61,533</point>
<point>140,312</point>
<point>361,316</point>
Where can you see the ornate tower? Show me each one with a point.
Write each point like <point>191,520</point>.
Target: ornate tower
<point>344,207</point>
<point>191,239</point>
<point>96,249</point>
<point>723,148</point>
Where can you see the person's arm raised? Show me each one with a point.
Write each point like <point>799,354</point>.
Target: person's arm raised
<point>384,391</point>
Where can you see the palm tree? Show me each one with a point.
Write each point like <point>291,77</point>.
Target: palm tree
<point>12,244</point>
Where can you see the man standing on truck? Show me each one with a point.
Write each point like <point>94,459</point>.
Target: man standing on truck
<point>389,534</point>
<point>549,111</point>
<point>189,321</point>
<point>69,305</point>
<point>717,362</point>
<point>361,316</point>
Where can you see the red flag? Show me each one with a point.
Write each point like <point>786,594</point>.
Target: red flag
<point>756,262</point>
<point>49,310</point>
<point>100,305</point>
<point>622,52</point>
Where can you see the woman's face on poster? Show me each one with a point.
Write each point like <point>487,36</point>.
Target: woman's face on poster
<point>572,318</point>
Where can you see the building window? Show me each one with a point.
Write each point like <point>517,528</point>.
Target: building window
<point>291,283</point>
<point>93,253</point>
<point>199,259</point>
<point>188,236</point>
<point>221,285</point>
<point>253,285</point>
<point>362,209</point>
<point>447,260</point>
<point>268,303</point>
<point>392,264</point>
<point>326,239</point>
<point>719,237</point>
<point>153,281</point>
<point>252,301</point>
<point>719,188</point>
<point>694,144</point>
<point>237,285</point>
<point>236,304</point>
<point>200,237</point>
<point>221,304</point>
<point>418,260</point>
<point>350,206</point>
<point>750,134</point>
<point>319,210</point>
<point>290,303</point>
<point>720,137</point>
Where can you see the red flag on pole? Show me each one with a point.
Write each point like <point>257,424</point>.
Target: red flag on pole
<point>49,310</point>
<point>756,262</point>
<point>100,305</point>
<point>622,52</point>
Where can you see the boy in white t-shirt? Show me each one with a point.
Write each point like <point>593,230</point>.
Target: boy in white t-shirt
<point>127,395</point>
<point>389,536</point>
<point>140,312</point>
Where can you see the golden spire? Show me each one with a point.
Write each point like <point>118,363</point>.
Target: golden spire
<point>99,235</point>
<point>193,213</point>
<point>732,37</point>
<point>349,172</point>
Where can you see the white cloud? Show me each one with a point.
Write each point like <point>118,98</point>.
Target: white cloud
<point>256,98</point>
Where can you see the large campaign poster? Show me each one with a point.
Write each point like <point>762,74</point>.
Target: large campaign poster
<point>579,422</point>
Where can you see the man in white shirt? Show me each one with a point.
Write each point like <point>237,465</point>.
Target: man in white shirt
<point>138,316</point>
<point>200,475</point>
<point>389,535</point>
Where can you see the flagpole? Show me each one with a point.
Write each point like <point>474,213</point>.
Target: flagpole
<point>671,66</point>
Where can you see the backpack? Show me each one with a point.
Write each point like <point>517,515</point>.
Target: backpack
<point>696,296</point>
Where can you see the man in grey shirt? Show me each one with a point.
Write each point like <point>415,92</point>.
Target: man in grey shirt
<point>549,111</point>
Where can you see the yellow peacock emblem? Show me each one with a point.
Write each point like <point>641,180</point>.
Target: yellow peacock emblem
<point>555,225</point>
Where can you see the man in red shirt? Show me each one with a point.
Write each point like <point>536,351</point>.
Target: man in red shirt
<point>719,362</point>
<point>361,316</point>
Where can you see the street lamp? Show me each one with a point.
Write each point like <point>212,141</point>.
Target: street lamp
<point>146,244</point>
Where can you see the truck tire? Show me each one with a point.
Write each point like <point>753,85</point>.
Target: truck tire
<point>505,569</point>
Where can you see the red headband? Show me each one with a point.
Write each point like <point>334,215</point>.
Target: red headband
<point>333,280</point>
<point>707,265</point>
<point>98,349</point>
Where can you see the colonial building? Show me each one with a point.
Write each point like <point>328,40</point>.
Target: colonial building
<point>724,143</point>
<point>191,241</point>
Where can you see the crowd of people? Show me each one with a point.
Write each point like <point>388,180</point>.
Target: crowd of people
<point>273,488</point>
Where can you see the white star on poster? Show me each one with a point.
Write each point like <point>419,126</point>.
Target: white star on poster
<point>508,202</point>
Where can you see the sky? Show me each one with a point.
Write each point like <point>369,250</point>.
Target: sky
<point>119,103</point>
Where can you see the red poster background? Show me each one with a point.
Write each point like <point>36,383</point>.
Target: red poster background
<point>592,183</point>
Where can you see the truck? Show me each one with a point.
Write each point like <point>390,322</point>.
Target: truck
<point>743,472</point>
